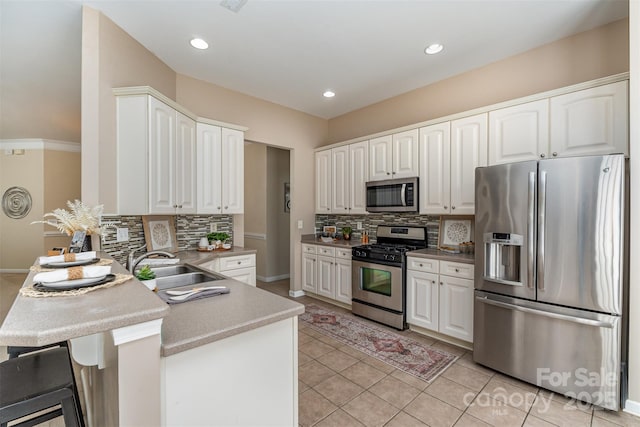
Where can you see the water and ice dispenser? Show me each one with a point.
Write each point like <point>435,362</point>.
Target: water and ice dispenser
<point>502,258</point>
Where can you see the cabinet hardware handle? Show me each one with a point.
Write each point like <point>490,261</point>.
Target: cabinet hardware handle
<point>393,173</point>
<point>542,155</point>
<point>388,173</point>
<point>226,207</point>
<point>555,154</point>
<point>453,207</point>
<point>175,206</point>
<point>218,208</point>
<point>345,208</point>
<point>440,283</point>
<point>445,207</point>
<point>239,262</point>
<point>457,271</point>
<point>433,281</point>
<point>180,206</point>
<point>420,265</point>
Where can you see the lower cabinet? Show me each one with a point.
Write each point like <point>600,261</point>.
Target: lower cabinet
<point>440,296</point>
<point>239,267</point>
<point>326,271</point>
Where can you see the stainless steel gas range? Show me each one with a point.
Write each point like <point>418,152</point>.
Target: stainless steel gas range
<point>379,274</point>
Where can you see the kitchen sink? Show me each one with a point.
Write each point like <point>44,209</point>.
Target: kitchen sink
<point>172,270</point>
<point>185,279</point>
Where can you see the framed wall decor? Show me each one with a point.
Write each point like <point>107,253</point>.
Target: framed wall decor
<point>160,233</point>
<point>455,230</point>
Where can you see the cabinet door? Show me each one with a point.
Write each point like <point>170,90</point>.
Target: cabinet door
<point>519,133</point>
<point>309,273</point>
<point>244,275</point>
<point>468,151</point>
<point>343,280</point>
<point>405,154</point>
<point>185,164</point>
<point>358,177</point>
<point>591,121</point>
<point>162,148</point>
<point>422,299</point>
<point>435,169</point>
<point>323,182</point>
<point>209,173</point>
<point>456,307</point>
<point>232,171</point>
<point>340,180</point>
<point>380,152</point>
<point>325,277</point>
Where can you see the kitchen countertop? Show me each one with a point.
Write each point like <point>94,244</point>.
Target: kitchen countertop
<point>313,240</point>
<point>41,321</point>
<point>437,254</point>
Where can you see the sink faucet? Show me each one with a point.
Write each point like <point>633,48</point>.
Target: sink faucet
<point>133,263</point>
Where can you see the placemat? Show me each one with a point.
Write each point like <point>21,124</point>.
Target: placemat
<point>30,291</point>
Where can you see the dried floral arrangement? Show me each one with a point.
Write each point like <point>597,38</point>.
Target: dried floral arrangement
<point>80,218</point>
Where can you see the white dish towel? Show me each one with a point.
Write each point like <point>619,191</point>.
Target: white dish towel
<point>82,256</point>
<point>72,273</point>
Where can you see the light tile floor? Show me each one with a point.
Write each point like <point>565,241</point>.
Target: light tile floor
<point>340,386</point>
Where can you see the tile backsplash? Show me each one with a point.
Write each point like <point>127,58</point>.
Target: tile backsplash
<point>371,221</point>
<point>189,230</point>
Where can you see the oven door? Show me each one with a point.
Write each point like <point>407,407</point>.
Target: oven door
<point>377,284</point>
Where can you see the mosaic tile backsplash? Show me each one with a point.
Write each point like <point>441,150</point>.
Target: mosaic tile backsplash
<point>189,230</point>
<point>370,223</point>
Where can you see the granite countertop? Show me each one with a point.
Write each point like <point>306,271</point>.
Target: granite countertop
<point>437,254</point>
<point>41,321</point>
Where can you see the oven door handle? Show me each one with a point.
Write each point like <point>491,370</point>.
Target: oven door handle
<point>402,194</point>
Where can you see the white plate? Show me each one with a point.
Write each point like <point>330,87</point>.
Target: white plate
<point>69,284</point>
<point>63,264</point>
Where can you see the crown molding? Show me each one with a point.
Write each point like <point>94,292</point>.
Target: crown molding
<point>39,144</point>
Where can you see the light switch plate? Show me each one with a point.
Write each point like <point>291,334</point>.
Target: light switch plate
<point>213,227</point>
<point>359,225</point>
<point>122,234</point>
<point>300,224</point>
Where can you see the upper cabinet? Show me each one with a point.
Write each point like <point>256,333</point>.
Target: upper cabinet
<point>394,156</point>
<point>168,164</point>
<point>586,122</point>
<point>341,175</point>
<point>591,121</point>
<point>220,171</point>
<point>449,154</point>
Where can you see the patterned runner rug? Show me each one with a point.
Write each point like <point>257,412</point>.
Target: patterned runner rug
<point>402,353</point>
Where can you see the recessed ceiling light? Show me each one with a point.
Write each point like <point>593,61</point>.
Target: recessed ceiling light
<point>432,49</point>
<point>199,43</point>
<point>329,94</point>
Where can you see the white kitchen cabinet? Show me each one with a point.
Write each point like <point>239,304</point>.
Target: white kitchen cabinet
<point>358,177</point>
<point>593,121</point>
<point>468,151</point>
<point>519,133</point>
<point>435,169</point>
<point>220,171</point>
<point>394,156</point>
<point>326,271</point>
<point>309,261</point>
<point>440,296</point>
<point>340,179</point>
<point>323,181</point>
<point>156,158</point>
<point>449,154</point>
<point>172,160</point>
<point>238,267</point>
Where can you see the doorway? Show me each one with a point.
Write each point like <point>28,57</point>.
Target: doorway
<point>267,218</point>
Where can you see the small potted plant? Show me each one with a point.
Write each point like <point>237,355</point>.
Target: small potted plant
<point>147,276</point>
<point>346,233</point>
<point>218,239</point>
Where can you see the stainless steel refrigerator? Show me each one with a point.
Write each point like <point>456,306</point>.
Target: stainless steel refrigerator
<point>549,274</point>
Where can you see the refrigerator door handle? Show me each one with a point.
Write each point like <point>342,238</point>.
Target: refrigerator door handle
<point>542,200</point>
<point>580,320</point>
<point>531,231</point>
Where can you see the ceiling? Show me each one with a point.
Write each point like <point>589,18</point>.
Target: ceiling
<point>290,52</point>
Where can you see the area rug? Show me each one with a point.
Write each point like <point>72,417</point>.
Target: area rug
<point>402,353</point>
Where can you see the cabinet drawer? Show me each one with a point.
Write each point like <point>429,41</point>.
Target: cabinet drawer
<point>343,253</point>
<point>326,251</point>
<point>456,269</point>
<point>422,264</point>
<point>234,262</point>
<point>309,249</point>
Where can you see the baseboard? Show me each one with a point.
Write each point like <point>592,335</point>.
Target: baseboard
<point>296,294</point>
<point>13,270</point>
<point>632,407</point>
<point>441,337</point>
<point>273,278</point>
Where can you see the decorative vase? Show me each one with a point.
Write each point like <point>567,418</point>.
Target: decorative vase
<point>347,236</point>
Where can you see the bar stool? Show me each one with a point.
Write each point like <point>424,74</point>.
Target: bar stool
<point>38,381</point>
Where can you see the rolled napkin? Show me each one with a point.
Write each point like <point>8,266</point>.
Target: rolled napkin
<point>82,256</point>
<point>72,273</point>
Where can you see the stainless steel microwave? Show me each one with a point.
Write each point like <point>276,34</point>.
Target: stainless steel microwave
<point>393,195</point>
